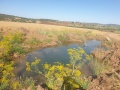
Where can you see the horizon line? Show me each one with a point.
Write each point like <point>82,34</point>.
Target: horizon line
<point>62,20</point>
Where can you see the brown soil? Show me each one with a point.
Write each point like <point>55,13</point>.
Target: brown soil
<point>109,79</point>
<point>112,35</point>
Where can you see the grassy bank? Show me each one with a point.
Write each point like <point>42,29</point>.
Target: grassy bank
<point>40,35</point>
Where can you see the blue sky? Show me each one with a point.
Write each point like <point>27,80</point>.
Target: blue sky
<point>94,11</point>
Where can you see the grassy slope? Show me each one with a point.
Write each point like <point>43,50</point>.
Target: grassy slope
<point>32,27</point>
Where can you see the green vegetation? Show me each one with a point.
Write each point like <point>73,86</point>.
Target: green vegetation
<point>9,45</point>
<point>6,75</point>
<point>99,67</point>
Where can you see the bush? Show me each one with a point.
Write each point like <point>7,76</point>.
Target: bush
<point>11,44</point>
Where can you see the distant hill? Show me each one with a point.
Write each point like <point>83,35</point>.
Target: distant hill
<point>106,27</point>
<point>12,18</point>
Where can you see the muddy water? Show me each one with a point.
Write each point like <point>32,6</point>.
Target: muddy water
<point>57,54</point>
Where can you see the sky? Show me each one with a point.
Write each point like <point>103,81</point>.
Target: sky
<point>91,11</point>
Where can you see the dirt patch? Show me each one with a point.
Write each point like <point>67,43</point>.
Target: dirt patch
<point>110,80</point>
<point>112,55</point>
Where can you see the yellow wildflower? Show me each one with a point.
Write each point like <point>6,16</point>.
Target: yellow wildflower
<point>15,85</point>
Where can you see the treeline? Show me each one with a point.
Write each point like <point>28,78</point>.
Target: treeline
<point>105,27</point>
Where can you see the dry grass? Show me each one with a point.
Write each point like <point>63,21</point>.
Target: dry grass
<point>33,26</point>
<point>42,35</point>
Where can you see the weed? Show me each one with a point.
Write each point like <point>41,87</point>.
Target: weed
<point>27,83</point>
<point>34,42</point>
<point>6,75</point>
<point>11,44</point>
<point>59,73</point>
<point>98,67</point>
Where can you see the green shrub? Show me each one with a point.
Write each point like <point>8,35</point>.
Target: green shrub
<point>11,44</point>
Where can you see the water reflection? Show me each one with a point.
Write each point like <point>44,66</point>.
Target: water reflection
<point>59,53</point>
